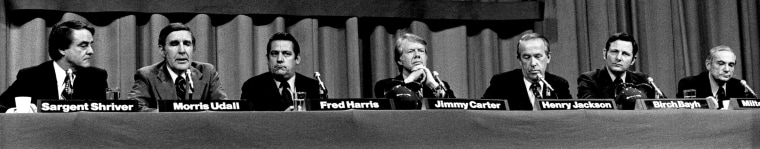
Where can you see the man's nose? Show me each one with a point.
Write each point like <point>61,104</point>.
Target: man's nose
<point>89,51</point>
<point>182,49</point>
<point>280,58</point>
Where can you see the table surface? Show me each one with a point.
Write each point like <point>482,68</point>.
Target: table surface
<point>386,129</point>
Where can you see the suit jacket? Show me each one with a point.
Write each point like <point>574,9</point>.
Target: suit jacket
<point>597,84</point>
<point>39,82</point>
<point>701,82</point>
<point>387,84</point>
<point>154,83</point>
<point>510,86</point>
<point>264,95</point>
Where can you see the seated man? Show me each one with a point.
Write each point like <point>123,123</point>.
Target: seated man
<point>411,56</point>
<point>717,83</point>
<point>68,76</point>
<point>276,89</point>
<point>177,77</point>
<point>521,87</point>
<point>619,54</point>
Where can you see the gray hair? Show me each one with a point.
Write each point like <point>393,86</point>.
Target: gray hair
<point>716,50</point>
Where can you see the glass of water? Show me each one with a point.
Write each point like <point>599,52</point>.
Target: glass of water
<point>690,93</point>
<point>298,103</point>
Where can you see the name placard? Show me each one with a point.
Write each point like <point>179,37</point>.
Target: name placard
<point>349,103</point>
<point>745,103</point>
<point>686,103</point>
<point>465,104</point>
<point>575,104</point>
<point>64,106</point>
<point>201,105</point>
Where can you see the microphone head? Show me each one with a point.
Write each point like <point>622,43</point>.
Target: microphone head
<point>650,79</point>
<point>743,82</point>
<point>316,74</point>
<point>435,73</point>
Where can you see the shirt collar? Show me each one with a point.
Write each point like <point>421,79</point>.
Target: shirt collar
<point>174,75</point>
<point>714,85</point>
<point>530,93</point>
<point>612,76</point>
<point>291,82</point>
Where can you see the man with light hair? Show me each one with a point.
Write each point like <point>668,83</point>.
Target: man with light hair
<point>717,83</point>
<point>410,55</point>
<point>523,87</point>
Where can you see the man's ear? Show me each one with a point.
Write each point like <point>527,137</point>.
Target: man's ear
<point>62,51</point>
<point>298,59</point>
<point>162,51</point>
<point>633,61</point>
<point>604,53</point>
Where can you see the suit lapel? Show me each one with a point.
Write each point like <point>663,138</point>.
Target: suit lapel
<point>165,88</point>
<point>48,76</point>
<point>199,86</point>
<point>523,98</point>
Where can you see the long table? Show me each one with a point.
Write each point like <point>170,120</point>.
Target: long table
<point>386,129</point>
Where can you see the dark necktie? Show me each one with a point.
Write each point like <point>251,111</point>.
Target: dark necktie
<point>68,89</point>
<point>721,97</point>
<point>286,95</point>
<point>617,81</point>
<point>534,88</point>
<point>180,84</point>
<point>612,91</point>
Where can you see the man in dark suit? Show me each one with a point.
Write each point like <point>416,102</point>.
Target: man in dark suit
<point>619,54</point>
<point>717,83</point>
<point>521,87</point>
<point>177,77</point>
<point>69,76</point>
<point>276,90</point>
<point>411,56</point>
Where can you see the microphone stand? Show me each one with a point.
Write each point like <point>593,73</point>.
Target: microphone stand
<point>548,86</point>
<point>322,89</point>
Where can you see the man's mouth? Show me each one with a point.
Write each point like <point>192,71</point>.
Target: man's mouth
<point>181,60</point>
<point>417,63</point>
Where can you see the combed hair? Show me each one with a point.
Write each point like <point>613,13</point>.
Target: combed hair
<point>406,37</point>
<point>283,36</point>
<point>716,50</point>
<point>172,28</point>
<point>60,36</point>
<point>531,36</point>
<point>622,37</point>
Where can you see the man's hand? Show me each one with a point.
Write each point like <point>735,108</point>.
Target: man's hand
<point>31,109</point>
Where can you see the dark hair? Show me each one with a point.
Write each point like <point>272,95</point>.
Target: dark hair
<point>60,36</point>
<point>283,36</point>
<point>531,36</point>
<point>622,37</point>
<point>172,28</point>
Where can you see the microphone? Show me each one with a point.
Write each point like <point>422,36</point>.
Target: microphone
<point>322,89</point>
<point>549,86</point>
<point>440,83</point>
<point>70,90</point>
<point>190,87</point>
<point>748,88</point>
<point>658,92</point>
<point>435,75</point>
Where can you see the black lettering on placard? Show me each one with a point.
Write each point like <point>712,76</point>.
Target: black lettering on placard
<point>465,104</point>
<point>64,106</point>
<point>571,104</point>
<point>201,105</point>
<point>352,103</point>
<point>689,103</point>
